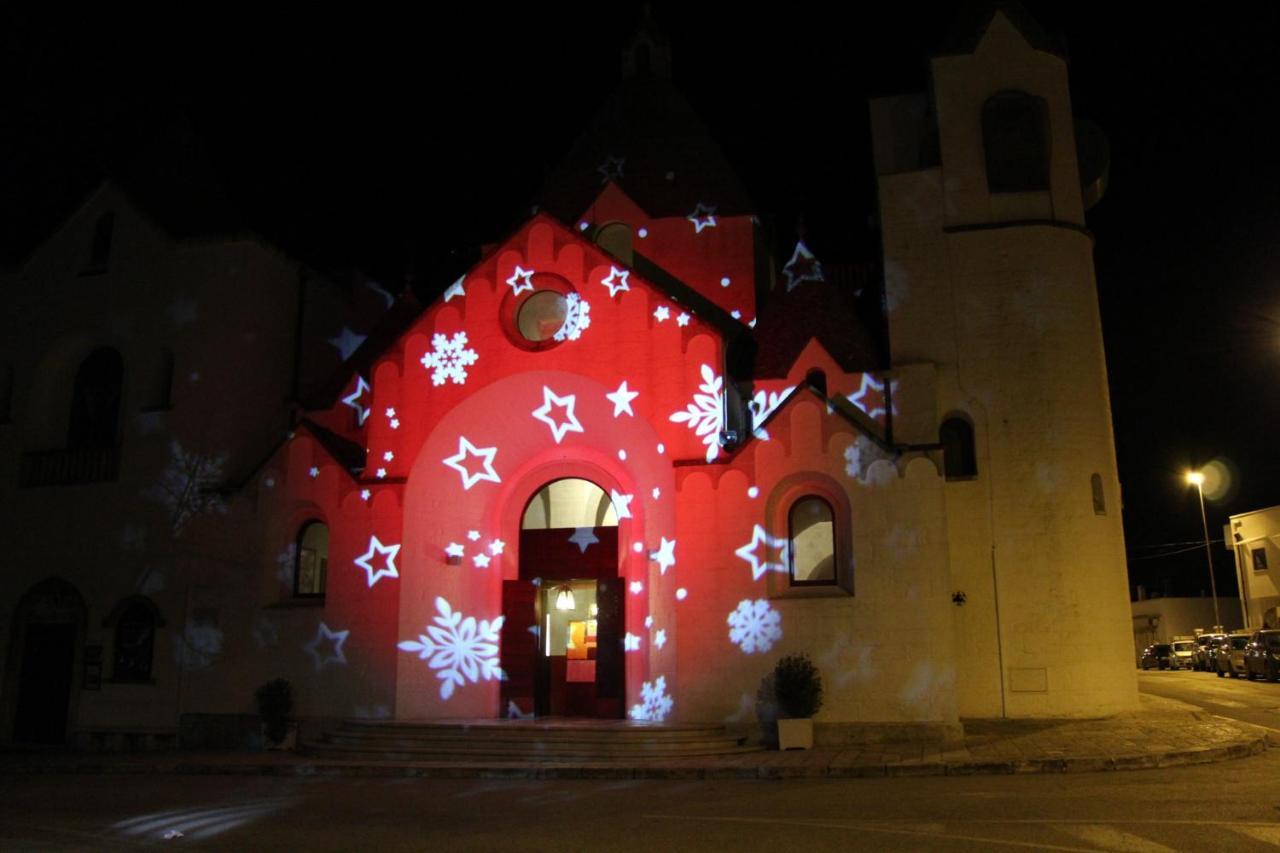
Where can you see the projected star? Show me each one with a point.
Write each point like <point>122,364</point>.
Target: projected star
<point>453,549</point>
<point>757,553</point>
<point>520,281</point>
<point>660,637</point>
<point>381,473</point>
<point>314,472</point>
<point>611,168</point>
<point>870,397</point>
<point>353,400</point>
<point>481,561</point>
<point>637,587</point>
<point>391,413</point>
<point>395,423</point>
<point>630,642</point>
<point>326,647</point>
<point>682,319</point>
<point>473,535</point>
<point>621,503</point>
<point>569,423</point>
<point>657,493</point>
<point>616,280</point>
<point>662,313</point>
<point>703,216</point>
<point>388,456</point>
<point>621,400</point>
<point>583,537</point>
<point>802,267</point>
<point>458,463</point>
<point>665,556</point>
<point>497,546</point>
<point>364,494</point>
<point>455,289</point>
<point>346,342</point>
<point>376,550</point>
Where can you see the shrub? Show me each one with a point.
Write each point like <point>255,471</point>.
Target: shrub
<point>275,701</point>
<point>797,686</point>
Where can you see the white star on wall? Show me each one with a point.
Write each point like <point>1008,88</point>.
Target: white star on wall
<point>497,546</point>
<point>332,655</point>
<point>391,413</point>
<point>660,638</point>
<point>621,400</point>
<point>381,473</point>
<point>388,456</point>
<point>458,463</point>
<point>662,313</point>
<point>346,342</point>
<point>630,642</point>
<point>703,216</point>
<point>453,549</point>
<point>762,542</point>
<point>621,503</point>
<point>543,413</point>
<point>665,556</point>
<point>682,319</point>
<point>473,535</point>
<point>376,548</point>
<point>353,400</point>
<point>657,493</point>
<point>395,423</point>
<point>637,587</point>
<point>455,289</point>
<point>611,168</point>
<point>481,561</point>
<point>616,280</point>
<point>802,267</point>
<point>364,494</point>
<point>520,281</point>
<point>314,472</point>
<point>583,537</point>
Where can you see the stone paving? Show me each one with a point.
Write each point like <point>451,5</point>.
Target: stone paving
<point>1163,733</point>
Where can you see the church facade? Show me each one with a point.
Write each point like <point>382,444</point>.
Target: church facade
<point>626,461</point>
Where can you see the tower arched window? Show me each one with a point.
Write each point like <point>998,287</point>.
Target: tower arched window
<point>95,400</point>
<point>959,459</point>
<point>812,542</point>
<point>1015,138</point>
<point>311,560</point>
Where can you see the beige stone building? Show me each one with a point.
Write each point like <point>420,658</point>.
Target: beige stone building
<point>1254,540</point>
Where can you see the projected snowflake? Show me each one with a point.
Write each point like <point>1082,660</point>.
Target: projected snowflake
<point>577,316</point>
<point>762,405</point>
<point>460,650</point>
<point>621,400</point>
<point>378,550</point>
<point>655,704</point>
<point>188,486</point>
<point>326,647</point>
<point>569,423</point>
<point>705,415</point>
<point>449,359</point>
<point>765,553</point>
<point>616,281</point>
<point>703,216</point>
<point>754,626</point>
<point>802,267</point>
<point>353,400</point>
<point>469,477</point>
<point>520,281</point>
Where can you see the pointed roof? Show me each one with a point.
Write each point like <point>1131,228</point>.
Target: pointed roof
<point>813,310</point>
<point>973,18</point>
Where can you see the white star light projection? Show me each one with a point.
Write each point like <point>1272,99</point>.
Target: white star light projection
<point>754,626</point>
<point>665,556</point>
<point>347,342</point>
<point>332,642</point>
<point>762,542</point>
<point>630,642</point>
<point>468,450</point>
<point>453,549</point>
<point>802,267</point>
<point>616,281</point>
<point>621,400</point>
<point>449,359</point>
<point>583,537</point>
<point>458,649</point>
<point>660,638</point>
<point>353,400</point>
<point>621,503</point>
<point>455,289</point>
<point>570,423</point>
<point>662,313</point>
<point>611,168</point>
<point>705,415</point>
<point>682,319</point>
<point>869,397</point>
<point>377,549</point>
<point>520,281</point>
<point>703,216</point>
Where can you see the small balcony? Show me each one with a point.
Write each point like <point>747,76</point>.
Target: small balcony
<point>69,467</point>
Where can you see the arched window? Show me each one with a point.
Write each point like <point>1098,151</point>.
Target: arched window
<point>100,249</point>
<point>1099,497</point>
<point>1015,137</point>
<point>95,400</point>
<point>135,621</point>
<point>959,461</point>
<point>615,238</point>
<point>812,535</point>
<point>311,563</point>
<point>569,503</point>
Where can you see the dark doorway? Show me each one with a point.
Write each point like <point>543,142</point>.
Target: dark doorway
<point>44,684</point>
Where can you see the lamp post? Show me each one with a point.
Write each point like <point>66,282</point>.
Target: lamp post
<point>1196,478</point>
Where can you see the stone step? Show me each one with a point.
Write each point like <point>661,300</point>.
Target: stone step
<point>525,736</point>
<point>336,752</point>
<point>497,744</point>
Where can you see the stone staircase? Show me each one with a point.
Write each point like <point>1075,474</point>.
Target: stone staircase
<point>561,740</point>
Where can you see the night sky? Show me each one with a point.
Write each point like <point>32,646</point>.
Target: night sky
<point>389,143</point>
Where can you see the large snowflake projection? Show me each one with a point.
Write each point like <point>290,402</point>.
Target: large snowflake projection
<point>188,486</point>
<point>386,554</point>
<point>705,415</point>
<point>754,626</point>
<point>569,423</point>
<point>577,316</point>
<point>616,281</point>
<point>458,463</point>
<point>762,405</point>
<point>326,647</point>
<point>870,397</point>
<point>802,267</point>
<point>458,649</point>
<point>703,216</point>
<point>765,553</point>
<point>655,704</point>
<point>449,358</point>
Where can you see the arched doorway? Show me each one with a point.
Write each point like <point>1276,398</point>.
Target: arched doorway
<point>562,636</point>
<point>48,628</point>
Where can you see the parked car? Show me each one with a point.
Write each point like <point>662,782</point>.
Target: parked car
<point>1229,658</point>
<point>1262,656</point>
<point>1184,652</point>
<point>1204,651</point>
<point>1157,655</point>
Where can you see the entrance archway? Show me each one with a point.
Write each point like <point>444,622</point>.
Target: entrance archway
<point>48,630</point>
<point>564,617</point>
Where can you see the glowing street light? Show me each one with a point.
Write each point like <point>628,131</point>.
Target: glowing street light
<point>1196,478</point>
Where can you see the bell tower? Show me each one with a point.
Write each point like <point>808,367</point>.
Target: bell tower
<point>993,316</point>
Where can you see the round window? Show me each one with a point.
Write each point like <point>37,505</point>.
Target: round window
<point>541,315</point>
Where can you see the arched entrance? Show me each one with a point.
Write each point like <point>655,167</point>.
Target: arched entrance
<point>564,617</point>
<point>48,628</point>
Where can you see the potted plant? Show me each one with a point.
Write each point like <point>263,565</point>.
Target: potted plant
<point>797,690</point>
<point>275,701</point>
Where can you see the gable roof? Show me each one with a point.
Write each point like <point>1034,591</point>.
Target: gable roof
<point>813,310</point>
<point>973,18</point>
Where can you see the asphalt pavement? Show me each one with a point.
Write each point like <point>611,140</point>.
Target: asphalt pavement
<point>1255,702</point>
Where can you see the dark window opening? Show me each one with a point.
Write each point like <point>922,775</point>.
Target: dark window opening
<point>817,380</point>
<point>1015,138</point>
<point>134,642</point>
<point>1099,498</point>
<point>959,461</point>
<point>95,400</point>
<point>812,535</point>
<point>1259,559</point>
<point>312,560</point>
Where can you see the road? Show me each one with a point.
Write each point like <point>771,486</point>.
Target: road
<point>1256,702</point>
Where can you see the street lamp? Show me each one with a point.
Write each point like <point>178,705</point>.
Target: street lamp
<point>1196,478</point>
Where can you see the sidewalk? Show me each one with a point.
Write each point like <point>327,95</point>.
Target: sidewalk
<point>1164,733</point>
